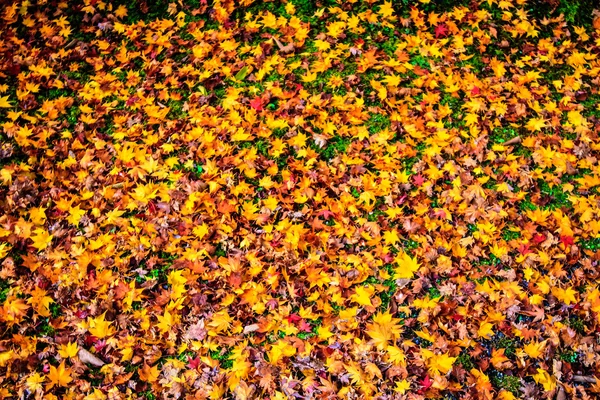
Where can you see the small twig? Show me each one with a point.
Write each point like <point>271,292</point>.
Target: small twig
<point>584,379</point>
<point>71,44</point>
<point>513,141</point>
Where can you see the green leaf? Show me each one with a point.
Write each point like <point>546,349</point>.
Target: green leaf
<point>242,73</point>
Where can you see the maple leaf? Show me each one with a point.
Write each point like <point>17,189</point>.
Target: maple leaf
<point>38,215</point>
<point>34,382</point>
<point>418,179</point>
<point>42,239</point>
<point>567,240</point>
<point>219,322</point>
<point>391,237</point>
<point>543,378</point>
<point>407,266</point>
<point>535,124</point>
<point>426,383</point>
<point>279,350</point>
<point>363,294</point>
<point>15,308</point>
<point>193,363</point>
<point>121,11</point>
<point>383,330</point>
<point>149,374</point>
<point>4,102</point>
<point>498,358</point>
<point>99,327</point>
<point>441,30</point>
<point>75,215</point>
<point>60,376</point>
<point>257,104</point>
<point>386,10</point>
<point>6,356</point>
<point>534,349</point>
<point>68,350</point>
<point>438,363</point>
<point>402,386</point>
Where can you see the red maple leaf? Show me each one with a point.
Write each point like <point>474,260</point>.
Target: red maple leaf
<point>325,214</point>
<point>388,258</point>
<point>100,345</point>
<point>475,91</point>
<point>419,180</point>
<point>567,240</point>
<point>524,249</point>
<point>256,104</point>
<point>304,326</point>
<point>441,30</point>
<point>131,101</point>
<point>193,363</point>
<point>426,383</point>
<point>539,238</point>
<point>151,208</point>
<point>90,340</point>
<point>292,319</point>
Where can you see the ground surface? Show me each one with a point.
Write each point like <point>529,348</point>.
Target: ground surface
<point>299,200</point>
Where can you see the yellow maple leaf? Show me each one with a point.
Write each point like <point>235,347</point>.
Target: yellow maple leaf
<point>362,295</point>
<point>438,363</point>
<point>100,328</point>
<point>5,357</point>
<point>279,350</point>
<point>241,136</point>
<point>396,355</point>
<point>356,374</point>
<point>220,321</point>
<point>38,215</point>
<point>402,386</point>
<point>486,329</point>
<point>534,349</point>
<point>40,301</point>
<point>407,266</point>
<point>391,237</point>
<point>42,239</point>
<point>121,11</point>
<point>4,102</point>
<point>165,322</point>
<point>60,376</point>
<point>384,329</point>
<point>535,124</point>
<point>68,350</point>
<point>34,382</point>
<point>545,379</point>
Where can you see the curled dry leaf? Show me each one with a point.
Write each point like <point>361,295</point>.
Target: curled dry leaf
<point>88,358</point>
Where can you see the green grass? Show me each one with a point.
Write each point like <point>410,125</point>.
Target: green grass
<point>577,324</point>
<point>4,289</point>
<point>504,342</point>
<point>334,147</point>
<point>569,356</point>
<point>465,360</point>
<point>507,382</point>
